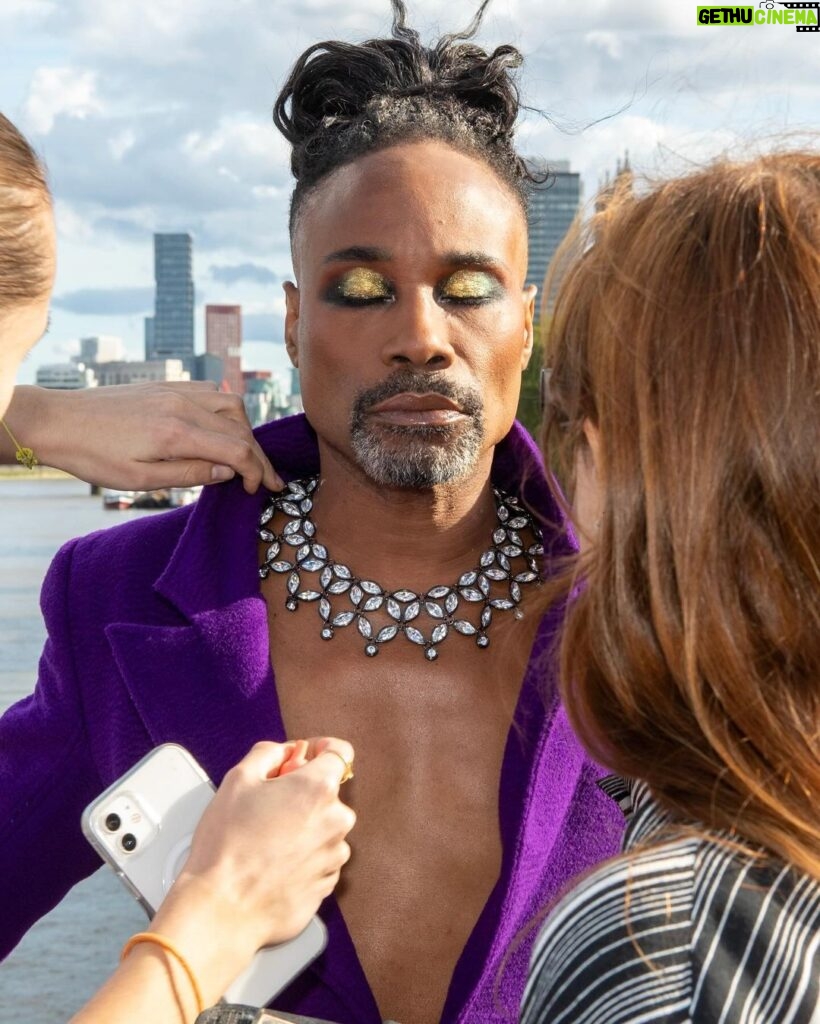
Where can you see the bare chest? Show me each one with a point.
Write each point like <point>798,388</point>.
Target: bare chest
<point>429,741</point>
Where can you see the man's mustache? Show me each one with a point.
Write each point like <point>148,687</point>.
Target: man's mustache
<point>468,399</point>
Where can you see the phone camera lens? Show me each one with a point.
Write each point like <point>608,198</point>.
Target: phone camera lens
<point>129,842</point>
<point>112,822</point>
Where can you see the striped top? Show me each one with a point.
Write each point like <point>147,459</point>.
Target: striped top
<point>685,931</point>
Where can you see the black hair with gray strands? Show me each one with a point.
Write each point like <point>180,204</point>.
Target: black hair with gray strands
<point>345,100</point>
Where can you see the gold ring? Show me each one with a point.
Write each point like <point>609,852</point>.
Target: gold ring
<point>347,774</point>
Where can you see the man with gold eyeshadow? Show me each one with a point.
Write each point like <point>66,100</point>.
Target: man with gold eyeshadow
<point>391,594</point>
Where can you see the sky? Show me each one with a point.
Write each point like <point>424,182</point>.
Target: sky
<point>155,115</point>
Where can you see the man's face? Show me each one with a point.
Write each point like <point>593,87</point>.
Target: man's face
<point>410,324</point>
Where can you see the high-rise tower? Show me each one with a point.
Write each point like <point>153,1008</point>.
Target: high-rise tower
<point>223,338</point>
<point>553,207</point>
<point>172,336</point>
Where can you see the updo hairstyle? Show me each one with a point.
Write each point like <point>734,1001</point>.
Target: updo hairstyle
<point>344,100</point>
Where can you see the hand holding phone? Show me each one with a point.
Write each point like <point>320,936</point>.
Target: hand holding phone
<point>263,852</point>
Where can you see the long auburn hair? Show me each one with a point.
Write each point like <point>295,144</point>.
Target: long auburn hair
<point>687,330</point>
<point>25,263</point>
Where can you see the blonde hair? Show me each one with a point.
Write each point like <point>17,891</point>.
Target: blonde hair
<point>688,332</point>
<point>25,265</point>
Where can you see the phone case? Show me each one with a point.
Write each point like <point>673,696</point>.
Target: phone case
<point>142,827</point>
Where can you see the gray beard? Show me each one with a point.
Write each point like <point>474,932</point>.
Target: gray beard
<point>417,458</point>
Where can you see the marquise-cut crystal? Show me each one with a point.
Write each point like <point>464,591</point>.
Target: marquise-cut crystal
<point>309,528</point>
<point>266,535</point>
<point>502,560</point>
<point>369,587</point>
<point>487,558</point>
<point>438,592</point>
<point>364,627</point>
<point>273,551</point>
<point>515,592</point>
<point>486,617</point>
<point>293,582</point>
<point>414,635</point>
<point>412,611</point>
<point>518,523</point>
<point>484,585</point>
<point>343,618</point>
<point>294,539</point>
<point>496,574</point>
<point>468,578</point>
<point>311,565</point>
<point>296,489</point>
<point>339,587</point>
<point>503,513</point>
<point>292,527</point>
<point>394,609</point>
<point>306,506</point>
<point>387,633</point>
<point>451,603</point>
<point>504,603</point>
<point>356,594</point>
<point>342,571</point>
<point>435,611</point>
<point>326,577</point>
<point>281,566</point>
<point>372,604</point>
<point>471,594</point>
<point>267,515</point>
<point>515,538</point>
<point>319,551</point>
<point>290,509</point>
<point>525,577</point>
<point>439,633</point>
<point>404,596</point>
<point>464,627</point>
<point>308,595</point>
<point>303,552</point>
<point>324,608</point>
<point>499,536</point>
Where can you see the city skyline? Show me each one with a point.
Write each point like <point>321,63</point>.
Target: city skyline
<point>157,119</point>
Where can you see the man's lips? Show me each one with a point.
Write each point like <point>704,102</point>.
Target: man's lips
<point>409,409</point>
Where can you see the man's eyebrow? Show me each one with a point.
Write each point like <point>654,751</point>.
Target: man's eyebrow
<point>358,254</point>
<point>476,258</point>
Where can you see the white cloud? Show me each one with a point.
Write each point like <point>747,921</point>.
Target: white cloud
<point>121,143</point>
<point>58,91</point>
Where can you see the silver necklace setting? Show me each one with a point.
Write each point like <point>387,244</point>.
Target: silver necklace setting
<point>510,563</point>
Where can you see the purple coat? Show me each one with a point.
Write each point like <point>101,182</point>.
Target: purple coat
<point>158,632</point>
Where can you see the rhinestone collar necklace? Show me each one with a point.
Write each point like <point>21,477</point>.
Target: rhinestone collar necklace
<point>381,615</point>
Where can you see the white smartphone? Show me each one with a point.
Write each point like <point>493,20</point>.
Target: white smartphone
<point>143,825</point>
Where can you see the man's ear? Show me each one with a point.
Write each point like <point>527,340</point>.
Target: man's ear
<point>528,296</point>
<point>291,321</point>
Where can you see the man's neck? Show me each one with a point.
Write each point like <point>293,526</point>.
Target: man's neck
<point>400,537</point>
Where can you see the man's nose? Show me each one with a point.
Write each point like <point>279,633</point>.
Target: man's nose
<point>419,334</point>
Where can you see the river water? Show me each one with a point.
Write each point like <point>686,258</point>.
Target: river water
<point>68,954</point>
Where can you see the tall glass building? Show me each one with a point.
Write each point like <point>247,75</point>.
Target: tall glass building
<point>552,209</point>
<point>172,334</point>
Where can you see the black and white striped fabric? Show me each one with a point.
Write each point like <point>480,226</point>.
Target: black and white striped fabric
<point>685,931</point>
